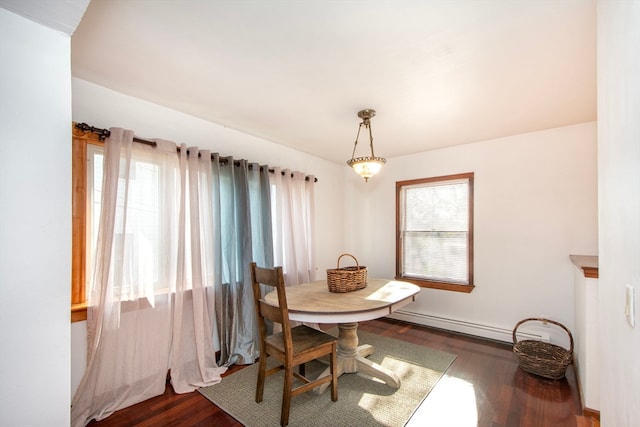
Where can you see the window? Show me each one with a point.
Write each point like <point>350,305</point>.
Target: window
<point>141,262</point>
<point>434,232</point>
<point>140,235</point>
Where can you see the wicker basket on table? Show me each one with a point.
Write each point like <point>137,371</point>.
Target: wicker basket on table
<point>347,279</point>
<point>542,358</point>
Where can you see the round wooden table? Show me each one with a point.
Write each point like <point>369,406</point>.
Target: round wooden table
<point>312,302</point>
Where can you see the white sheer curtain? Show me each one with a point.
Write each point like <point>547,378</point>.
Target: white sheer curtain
<point>193,362</point>
<point>294,225</point>
<point>150,297</point>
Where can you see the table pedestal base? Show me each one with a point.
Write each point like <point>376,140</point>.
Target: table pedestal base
<point>352,358</point>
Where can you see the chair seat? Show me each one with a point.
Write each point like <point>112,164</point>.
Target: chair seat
<point>304,339</point>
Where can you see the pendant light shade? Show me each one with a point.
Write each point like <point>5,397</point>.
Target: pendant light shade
<point>366,166</point>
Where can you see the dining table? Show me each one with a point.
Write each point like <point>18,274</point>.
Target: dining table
<point>313,303</point>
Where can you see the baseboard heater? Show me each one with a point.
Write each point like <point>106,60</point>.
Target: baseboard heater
<point>470,328</point>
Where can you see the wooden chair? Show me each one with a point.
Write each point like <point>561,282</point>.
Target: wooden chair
<point>292,347</point>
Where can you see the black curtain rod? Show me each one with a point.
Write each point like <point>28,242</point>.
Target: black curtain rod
<point>105,133</point>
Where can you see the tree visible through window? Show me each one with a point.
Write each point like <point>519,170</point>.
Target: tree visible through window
<point>434,236</point>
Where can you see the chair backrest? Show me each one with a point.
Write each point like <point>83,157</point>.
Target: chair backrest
<point>273,278</point>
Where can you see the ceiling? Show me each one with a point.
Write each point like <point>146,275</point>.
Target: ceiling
<point>60,15</point>
<point>439,73</point>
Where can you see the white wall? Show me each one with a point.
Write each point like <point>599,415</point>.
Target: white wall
<point>535,202</point>
<point>619,207</point>
<point>35,223</point>
<point>105,108</point>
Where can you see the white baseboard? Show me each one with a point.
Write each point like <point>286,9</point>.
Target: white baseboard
<point>462,326</point>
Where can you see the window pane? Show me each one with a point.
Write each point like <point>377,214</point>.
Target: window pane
<point>139,235</point>
<point>94,197</point>
<point>440,256</point>
<point>437,207</point>
<point>139,231</point>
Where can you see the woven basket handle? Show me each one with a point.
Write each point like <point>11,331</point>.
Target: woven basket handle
<point>354,258</point>
<point>543,320</point>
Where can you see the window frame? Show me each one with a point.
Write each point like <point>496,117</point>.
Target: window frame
<point>80,142</point>
<point>429,283</point>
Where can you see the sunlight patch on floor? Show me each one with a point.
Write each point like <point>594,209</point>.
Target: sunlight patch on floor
<point>452,403</point>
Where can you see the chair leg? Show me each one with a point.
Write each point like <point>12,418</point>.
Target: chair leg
<point>286,395</point>
<point>334,374</point>
<point>262,366</point>
<point>302,369</point>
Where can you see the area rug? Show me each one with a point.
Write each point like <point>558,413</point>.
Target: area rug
<point>362,401</point>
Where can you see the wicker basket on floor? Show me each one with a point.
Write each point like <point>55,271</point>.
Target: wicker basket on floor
<point>542,358</point>
<point>347,279</point>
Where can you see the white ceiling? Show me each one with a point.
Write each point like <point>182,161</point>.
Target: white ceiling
<point>60,15</point>
<point>438,72</point>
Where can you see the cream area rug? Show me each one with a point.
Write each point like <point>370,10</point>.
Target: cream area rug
<point>362,401</point>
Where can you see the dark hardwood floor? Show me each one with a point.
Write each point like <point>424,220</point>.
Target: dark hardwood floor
<point>500,393</point>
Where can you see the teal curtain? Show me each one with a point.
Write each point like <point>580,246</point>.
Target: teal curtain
<point>243,233</point>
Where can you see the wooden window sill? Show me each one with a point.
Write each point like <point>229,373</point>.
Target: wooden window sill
<point>438,285</point>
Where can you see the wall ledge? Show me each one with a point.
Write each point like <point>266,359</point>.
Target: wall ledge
<point>587,263</point>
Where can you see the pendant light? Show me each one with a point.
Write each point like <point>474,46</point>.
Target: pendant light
<point>366,166</point>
